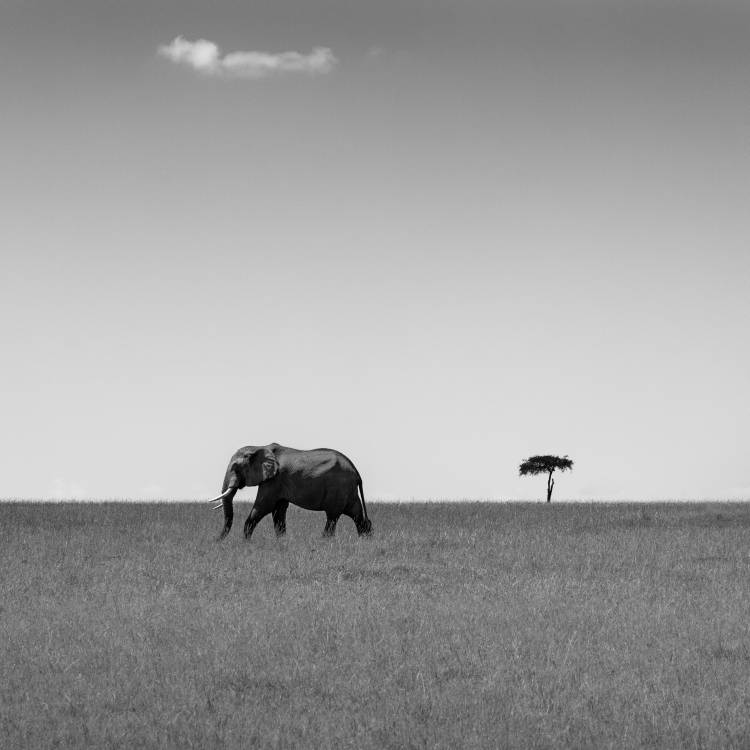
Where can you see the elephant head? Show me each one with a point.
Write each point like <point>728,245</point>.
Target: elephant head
<point>248,467</point>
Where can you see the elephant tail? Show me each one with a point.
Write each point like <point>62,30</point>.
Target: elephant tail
<point>362,495</point>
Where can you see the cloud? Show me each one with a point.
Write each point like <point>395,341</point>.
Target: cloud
<point>205,57</point>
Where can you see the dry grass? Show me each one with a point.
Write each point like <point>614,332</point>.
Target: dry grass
<point>471,625</point>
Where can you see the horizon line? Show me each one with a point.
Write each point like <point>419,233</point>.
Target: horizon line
<point>379,500</point>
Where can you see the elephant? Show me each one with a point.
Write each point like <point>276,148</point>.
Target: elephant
<point>320,479</point>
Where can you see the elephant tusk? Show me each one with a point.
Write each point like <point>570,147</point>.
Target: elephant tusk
<point>218,506</point>
<point>222,496</point>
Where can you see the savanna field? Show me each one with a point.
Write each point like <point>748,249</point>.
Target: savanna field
<point>467,625</point>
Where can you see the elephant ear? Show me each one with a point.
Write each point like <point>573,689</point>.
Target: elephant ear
<point>262,466</point>
<point>269,466</point>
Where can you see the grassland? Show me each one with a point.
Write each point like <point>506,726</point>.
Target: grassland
<point>456,625</point>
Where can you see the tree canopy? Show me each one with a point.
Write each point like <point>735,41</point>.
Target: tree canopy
<point>544,465</point>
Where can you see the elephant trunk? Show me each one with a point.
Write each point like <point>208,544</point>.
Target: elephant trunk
<point>228,491</point>
<point>228,483</point>
<point>226,504</point>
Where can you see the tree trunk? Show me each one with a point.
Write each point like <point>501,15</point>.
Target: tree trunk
<point>550,485</point>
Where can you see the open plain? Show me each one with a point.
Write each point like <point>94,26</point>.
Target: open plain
<point>456,625</point>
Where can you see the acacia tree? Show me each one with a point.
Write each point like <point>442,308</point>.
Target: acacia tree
<point>545,465</point>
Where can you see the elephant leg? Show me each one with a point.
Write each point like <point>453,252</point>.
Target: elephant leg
<point>255,517</point>
<point>279,517</point>
<point>364,526</point>
<point>354,511</point>
<point>331,521</point>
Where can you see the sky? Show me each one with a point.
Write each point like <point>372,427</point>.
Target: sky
<point>439,236</point>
